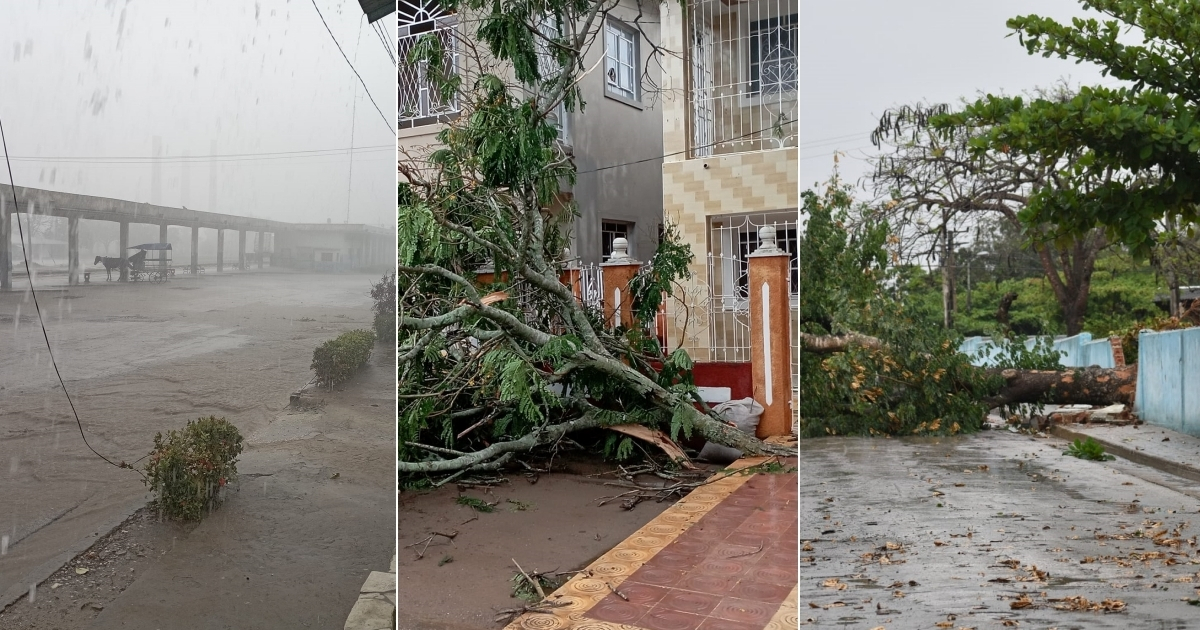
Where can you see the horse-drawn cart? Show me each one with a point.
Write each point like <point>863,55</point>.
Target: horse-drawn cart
<point>143,268</point>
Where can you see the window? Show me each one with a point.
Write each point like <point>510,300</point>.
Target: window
<point>547,65</point>
<point>786,238</point>
<point>611,230</point>
<point>418,102</point>
<point>773,46</point>
<point>326,256</point>
<point>621,61</point>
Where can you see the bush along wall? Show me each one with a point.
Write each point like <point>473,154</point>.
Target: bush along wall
<point>188,469</point>
<point>337,359</point>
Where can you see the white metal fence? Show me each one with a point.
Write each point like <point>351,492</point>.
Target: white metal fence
<point>743,75</point>
<point>418,102</point>
<point>731,241</point>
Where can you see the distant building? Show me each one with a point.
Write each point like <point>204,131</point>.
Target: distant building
<point>42,250</point>
<point>334,247</point>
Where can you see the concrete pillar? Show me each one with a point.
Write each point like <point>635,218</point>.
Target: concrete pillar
<point>258,249</point>
<point>770,334</point>
<point>220,250</point>
<point>73,267</point>
<point>617,273</point>
<point>124,253</point>
<point>162,238</point>
<point>195,262</point>
<point>241,250</point>
<point>5,246</point>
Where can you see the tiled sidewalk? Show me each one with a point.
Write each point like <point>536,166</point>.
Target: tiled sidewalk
<point>723,558</point>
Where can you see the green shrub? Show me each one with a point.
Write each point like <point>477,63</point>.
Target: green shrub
<point>383,293</point>
<point>336,359</point>
<point>187,470</point>
<point>1088,449</point>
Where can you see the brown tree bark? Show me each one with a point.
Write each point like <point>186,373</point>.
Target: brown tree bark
<point>1006,303</point>
<point>1082,386</point>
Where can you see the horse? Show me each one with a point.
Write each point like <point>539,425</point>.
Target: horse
<point>110,264</point>
<point>136,261</point>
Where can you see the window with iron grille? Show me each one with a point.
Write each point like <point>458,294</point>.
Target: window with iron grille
<point>786,239</point>
<point>773,47</point>
<point>417,99</point>
<point>549,66</point>
<point>610,231</point>
<point>621,61</point>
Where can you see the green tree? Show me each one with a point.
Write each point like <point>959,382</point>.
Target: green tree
<point>488,371</point>
<point>872,367</point>
<point>942,186</point>
<point>1145,136</point>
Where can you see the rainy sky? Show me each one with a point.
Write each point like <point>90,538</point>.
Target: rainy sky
<point>90,88</point>
<point>860,57</point>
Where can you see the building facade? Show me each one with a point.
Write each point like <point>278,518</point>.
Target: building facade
<point>730,127</point>
<point>616,141</point>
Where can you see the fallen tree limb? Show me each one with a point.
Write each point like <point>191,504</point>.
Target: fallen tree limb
<point>1081,386</point>
<point>827,344</point>
<point>707,427</point>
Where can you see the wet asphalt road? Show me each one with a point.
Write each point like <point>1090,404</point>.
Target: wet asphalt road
<point>953,532</point>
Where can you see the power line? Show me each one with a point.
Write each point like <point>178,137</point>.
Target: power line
<point>352,68</point>
<point>383,40</point>
<point>667,155</point>
<point>38,307</point>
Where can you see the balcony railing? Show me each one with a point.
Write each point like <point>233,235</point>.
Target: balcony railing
<point>743,75</point>
<point>418,101</point>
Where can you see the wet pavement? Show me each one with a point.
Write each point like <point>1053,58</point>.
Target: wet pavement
<point>993,530</point>
<point>141,358</point>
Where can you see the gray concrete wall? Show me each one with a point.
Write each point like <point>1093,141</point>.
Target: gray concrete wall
<point>609,132</point>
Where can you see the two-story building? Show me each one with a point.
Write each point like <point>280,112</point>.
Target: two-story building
<point>616,141</point>
<point>730,126</point>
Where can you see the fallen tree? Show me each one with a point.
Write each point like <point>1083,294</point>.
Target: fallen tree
<point>496,364</point>
<point>1082,386</point>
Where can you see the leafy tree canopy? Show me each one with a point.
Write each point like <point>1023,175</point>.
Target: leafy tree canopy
<point>1146,134</point>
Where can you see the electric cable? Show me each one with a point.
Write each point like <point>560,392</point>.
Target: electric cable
<point>355,70</point>
<point>37,306</point>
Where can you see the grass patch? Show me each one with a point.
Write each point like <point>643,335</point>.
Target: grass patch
<point>1088,449</point>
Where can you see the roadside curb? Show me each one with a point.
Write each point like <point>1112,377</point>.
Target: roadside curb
<point>47,568</point>
<point>1184,471</point>
<point>376,605</point>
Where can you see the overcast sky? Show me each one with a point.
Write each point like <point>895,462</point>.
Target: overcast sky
<point>100,79</point>
<point>860,57</point>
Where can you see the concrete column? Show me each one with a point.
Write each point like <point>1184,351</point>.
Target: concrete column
<point>770,334</point>
<point>124,253</point>
<point>220,250</point>
<point>195,262</point>
<point>241,250</point>
<point>162,238</point>
<point>73,267</point>
<point>617,273</point>
<point>5,246</point>
<point>258,249</point>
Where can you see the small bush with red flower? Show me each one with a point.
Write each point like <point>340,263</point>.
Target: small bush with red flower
<point>188,468</point>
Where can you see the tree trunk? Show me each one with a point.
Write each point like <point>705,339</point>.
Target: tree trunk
<point>1002,315</point>
<point>1082,386</point>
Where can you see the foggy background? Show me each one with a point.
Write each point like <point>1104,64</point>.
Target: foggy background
<point>249,104</point>
<point>860,57</point>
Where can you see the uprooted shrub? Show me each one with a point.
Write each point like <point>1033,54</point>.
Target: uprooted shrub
<point>188,468</point>
<point>337,359</point>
